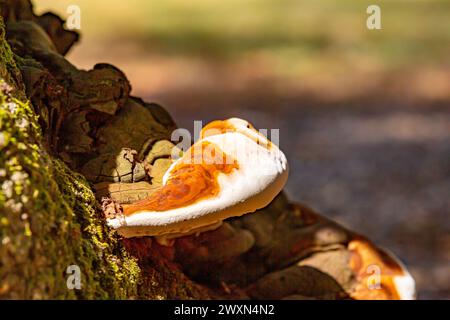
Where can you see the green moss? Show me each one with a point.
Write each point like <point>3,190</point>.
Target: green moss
<point>50,219</point>
<point>8,68</point>
<point>48,216</point>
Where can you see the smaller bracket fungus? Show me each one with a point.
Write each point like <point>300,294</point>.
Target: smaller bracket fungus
<point>231,170</point>
<point>379,273</point>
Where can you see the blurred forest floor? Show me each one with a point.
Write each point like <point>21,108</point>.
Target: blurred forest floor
<point>364,116</point>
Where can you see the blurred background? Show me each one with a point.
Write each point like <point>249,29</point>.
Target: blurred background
<point>364,115</point>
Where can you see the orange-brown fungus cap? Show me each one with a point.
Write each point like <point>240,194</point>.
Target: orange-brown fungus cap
<point>366,260</point>
<point>189,181</point>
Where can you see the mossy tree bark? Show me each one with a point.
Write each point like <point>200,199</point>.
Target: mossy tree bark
<point>49,216</point>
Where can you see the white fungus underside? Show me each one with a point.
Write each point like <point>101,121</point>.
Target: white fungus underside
<point>404,284</point>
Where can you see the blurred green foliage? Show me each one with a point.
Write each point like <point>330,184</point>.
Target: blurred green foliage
<point>295,34</point>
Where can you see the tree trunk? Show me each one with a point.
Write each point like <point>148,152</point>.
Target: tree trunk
<point>49,216</point>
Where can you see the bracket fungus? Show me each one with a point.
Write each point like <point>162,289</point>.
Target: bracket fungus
<point>231,170</point>
<point>380,270</point>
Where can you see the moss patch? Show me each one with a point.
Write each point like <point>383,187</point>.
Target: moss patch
<point>48,216</point>
<point>50,219</point>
